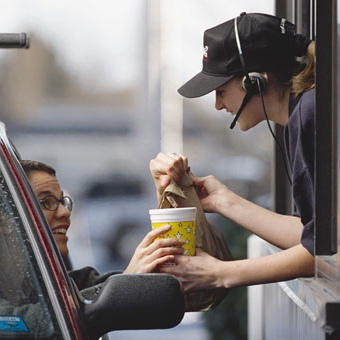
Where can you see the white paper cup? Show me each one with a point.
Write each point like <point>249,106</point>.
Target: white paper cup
<point>182,222</point>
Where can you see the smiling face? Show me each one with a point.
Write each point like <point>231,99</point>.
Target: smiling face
<point>44,184</point>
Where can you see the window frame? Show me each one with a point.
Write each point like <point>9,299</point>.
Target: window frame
<point>326,129</point>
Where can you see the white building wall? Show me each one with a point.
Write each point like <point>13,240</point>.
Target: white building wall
<point>290,310</point>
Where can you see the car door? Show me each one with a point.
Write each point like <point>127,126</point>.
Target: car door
<point>38,300</point>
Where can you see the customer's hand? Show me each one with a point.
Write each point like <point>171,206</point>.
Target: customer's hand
<point>151,254</point>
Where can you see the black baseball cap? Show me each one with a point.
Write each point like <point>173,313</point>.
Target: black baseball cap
<point>267,44</point>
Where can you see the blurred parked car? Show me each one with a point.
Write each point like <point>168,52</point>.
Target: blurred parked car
<point>37,298</point>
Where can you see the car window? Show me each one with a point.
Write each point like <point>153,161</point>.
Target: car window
<point>25,307</point>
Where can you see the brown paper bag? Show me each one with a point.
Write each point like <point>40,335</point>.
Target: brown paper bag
<point>207,237</point>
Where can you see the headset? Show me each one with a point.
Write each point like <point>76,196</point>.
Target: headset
<point>253,83</point>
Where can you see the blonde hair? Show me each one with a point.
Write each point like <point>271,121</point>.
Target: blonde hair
<point>305,79</point>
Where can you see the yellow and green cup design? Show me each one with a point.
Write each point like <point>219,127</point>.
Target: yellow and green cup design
<point>182,222</point>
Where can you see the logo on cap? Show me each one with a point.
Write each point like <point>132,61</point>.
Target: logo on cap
<point>282,26</point>
<point>205,53</point>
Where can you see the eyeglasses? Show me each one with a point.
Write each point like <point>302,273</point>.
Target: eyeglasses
<point>51,203</point>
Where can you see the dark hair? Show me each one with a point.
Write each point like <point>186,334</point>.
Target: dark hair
<point>30,166</point>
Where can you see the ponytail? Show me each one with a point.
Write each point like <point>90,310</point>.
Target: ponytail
<point>305,79</point>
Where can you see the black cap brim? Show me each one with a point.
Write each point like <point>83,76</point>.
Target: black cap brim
<point>202,84</point>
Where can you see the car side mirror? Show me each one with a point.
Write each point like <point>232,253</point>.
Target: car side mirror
<point>134,301</point>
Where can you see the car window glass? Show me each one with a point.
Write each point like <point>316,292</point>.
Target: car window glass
<point>25,310</point>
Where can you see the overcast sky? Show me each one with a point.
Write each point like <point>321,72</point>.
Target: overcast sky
<point>105,37</point>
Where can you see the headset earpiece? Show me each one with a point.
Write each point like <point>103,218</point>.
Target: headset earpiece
<point>254,83</point>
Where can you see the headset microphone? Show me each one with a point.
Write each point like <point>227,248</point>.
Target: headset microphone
<point>245,101</point>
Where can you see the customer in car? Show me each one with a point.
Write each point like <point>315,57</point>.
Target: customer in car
<point>57,208</point>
